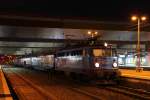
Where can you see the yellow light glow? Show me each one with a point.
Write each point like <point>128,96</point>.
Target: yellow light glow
<point>134,18</point>
<point>89,32</point>
<point>143,18</point>
<point>96,33</point>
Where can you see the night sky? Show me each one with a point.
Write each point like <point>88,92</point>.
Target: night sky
<point>105,10</point>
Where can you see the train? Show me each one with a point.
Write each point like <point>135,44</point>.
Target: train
<point>91,62</point>
<point>36,62</point>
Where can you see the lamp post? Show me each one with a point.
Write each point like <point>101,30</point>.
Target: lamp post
<point>92,34</point>
<point>138,19</point>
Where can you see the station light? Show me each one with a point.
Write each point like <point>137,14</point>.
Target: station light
<point>105,44</point>
<point>92,33</point>
<point>143,18</point>
<point>134,18</point>
<point>96,33</point>
<point>89,32</point>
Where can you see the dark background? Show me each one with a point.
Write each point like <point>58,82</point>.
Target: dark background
<point>105,10</point>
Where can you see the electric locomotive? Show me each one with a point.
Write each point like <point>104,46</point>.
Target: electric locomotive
<point>91,62</point>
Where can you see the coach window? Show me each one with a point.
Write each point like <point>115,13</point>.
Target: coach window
<point>61,54</point>
<point>58,54</point>
<point>66,54</point>
<point>72,53</point>
<point>77,53</point>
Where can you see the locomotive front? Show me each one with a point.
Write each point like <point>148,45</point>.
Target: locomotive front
<point>105,66</point>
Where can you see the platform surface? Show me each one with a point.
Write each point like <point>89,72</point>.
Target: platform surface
<point>4,90</point>
<point>134,74</point>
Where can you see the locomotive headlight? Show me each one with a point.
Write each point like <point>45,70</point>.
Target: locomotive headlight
<point>115,64</point>
<point>96,64</point>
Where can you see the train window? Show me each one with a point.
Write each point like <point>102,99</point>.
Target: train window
<point>80,52</point>
<point>77,53</point>
<point>97,52</point>
<point>107,52</point>
<point>66,54</point>
<point>61,54</point>
<point>72,53</point>
<point>58,54</point>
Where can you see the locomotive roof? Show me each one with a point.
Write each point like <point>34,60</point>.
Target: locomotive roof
<point>80,48</point>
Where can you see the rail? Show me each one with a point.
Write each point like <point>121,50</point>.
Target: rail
<point>136,93</point>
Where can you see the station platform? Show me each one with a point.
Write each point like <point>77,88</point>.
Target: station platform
<point>4,90</point>
<point>132,73</point>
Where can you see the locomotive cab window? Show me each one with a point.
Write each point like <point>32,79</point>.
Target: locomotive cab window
<point>97,52</point>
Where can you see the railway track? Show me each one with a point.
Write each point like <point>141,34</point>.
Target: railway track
<point>98,94</point>
<point>47,95</point>
<point>33,88</point>
<point>93,92</point>
<point>128,91</point>
<point>93,96</point>
<point>136,93</point>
